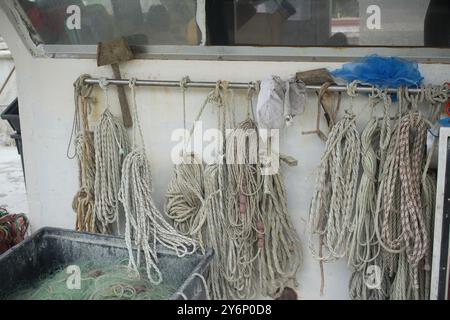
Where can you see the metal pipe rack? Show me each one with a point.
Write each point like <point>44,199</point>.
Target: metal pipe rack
<point>231,85</point>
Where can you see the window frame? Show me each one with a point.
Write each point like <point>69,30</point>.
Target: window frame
<point>219,53</point>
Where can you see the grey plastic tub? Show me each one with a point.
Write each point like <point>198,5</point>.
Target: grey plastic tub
<point>50,249</point>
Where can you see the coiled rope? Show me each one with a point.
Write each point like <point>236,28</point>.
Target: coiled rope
<point>185,193</point>
<point>389,231</point>
<point>402,222</point>
<point>363,245</point>
<point>111,146</point>
<point>144,224</point>
<point>364,250</point>
<point>333,201</point>
<point>83,202</point>
<point>256,250</point>
<point>281,257</point>
<point>195,199</point>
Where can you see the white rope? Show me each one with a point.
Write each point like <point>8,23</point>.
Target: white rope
<point>405,203</point>
<point>402,221</point>
<point>365,250</point>
<point>281,257</point>
<point>111,146</point>
<point>185,198</point>
<point>143,222</point>
<point>363,245</point>
<point>196,205</point>
<point>333,202</point>
<point>394,207</point>
<point>220,206</point>
<point>243,195</point>
<point>216,233</point>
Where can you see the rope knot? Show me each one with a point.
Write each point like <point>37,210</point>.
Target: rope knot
<point>352,87</point>
<point>184,82</point>
<point>82,89</point>
<point>132,83</point>
<point>103,83</point>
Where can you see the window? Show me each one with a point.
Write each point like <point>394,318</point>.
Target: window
<point>329,22</point>
<point>230,29</point>
<point>142,22</point>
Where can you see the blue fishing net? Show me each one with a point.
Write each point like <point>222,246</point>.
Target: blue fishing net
<point>381,72</point>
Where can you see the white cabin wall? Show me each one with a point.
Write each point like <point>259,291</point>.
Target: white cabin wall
<point>45,88</point>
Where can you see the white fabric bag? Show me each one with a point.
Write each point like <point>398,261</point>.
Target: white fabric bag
<point>279,102</point>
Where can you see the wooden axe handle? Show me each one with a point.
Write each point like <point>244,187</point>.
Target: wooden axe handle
<point>126,114</point>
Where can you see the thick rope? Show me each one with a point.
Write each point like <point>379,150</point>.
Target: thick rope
<point>394,208</point>
<point>333,202</point>
<point>402,222</point>
<point>195,201</point>
<point>281,257</point>
<point>144,224</point>
<point>363,245</point>
<point>254,253</point>
<point>83,202</point>
<point>364,248</point>
<point>243,194</point>
<point>111,147</point>
<point>185,198</point>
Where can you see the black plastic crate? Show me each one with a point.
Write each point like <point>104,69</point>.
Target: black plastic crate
<point>50,249</point>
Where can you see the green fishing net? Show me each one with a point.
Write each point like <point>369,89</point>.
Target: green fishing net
<point>98,282</point>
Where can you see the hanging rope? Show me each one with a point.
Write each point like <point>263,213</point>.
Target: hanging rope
<point>144,224</point>
<point>185,193</point>
<point>363,242</point>
<point>281,256</point>
<point>217,233</point>
<point>254,253</point>
<point>243,196</point>
<point>185,198</point>
<point>364,249</point>
<point>333,201</point>
<point>390,227</point>
<point>402,222</point>
<point>111,147</point>
<point>405,203</point>
<point>195,199</point>
<point>332,205</point>
<point>83,202</point>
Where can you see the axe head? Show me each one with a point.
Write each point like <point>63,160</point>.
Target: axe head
<point>113,52</point>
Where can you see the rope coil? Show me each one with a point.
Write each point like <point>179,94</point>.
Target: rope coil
<point>145,226</point>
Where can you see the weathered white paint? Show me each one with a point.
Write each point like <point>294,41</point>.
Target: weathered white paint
<point>46,98</point>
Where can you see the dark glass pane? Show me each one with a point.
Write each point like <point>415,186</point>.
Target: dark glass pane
<point>329,22</point>
<point>153,22</point>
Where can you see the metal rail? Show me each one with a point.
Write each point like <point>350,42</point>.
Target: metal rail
<point>231,85</point>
